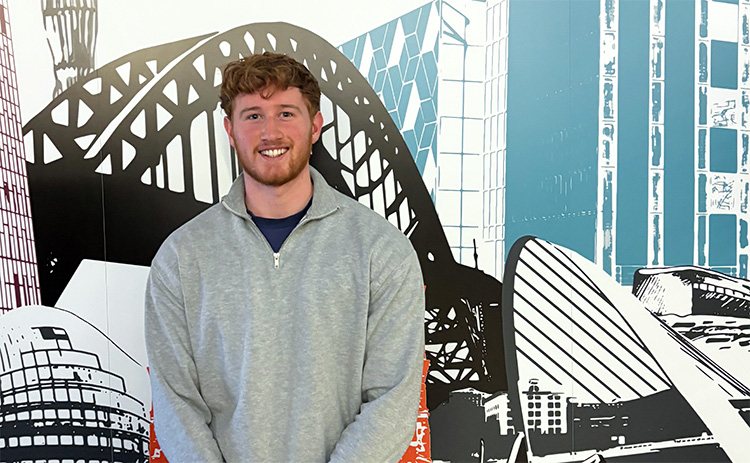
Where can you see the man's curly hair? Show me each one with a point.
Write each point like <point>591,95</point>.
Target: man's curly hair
<point>259,72</point>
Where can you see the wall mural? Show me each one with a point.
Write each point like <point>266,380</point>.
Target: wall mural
<point>616,132</point>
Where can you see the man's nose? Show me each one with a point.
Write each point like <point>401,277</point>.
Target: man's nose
<point>270,130</point>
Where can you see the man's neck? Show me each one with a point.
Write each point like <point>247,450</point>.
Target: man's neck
<point>277,202</point>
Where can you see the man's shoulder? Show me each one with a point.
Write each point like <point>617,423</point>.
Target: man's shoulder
<point>370,229</point>
<point>356,214</point>
<point>201,230</point>
<point>204,223</point>
<point>366,217</point>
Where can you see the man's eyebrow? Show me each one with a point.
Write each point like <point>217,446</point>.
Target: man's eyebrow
<point>282,106</point>
<point>291,106</point>
<point>251,108</point>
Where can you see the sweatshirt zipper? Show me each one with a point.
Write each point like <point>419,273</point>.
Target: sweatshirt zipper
<point>277,255</point>
<point>305,219</point>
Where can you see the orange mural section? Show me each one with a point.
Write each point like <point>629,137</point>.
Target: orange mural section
<point>418,451</point>
<point>419,448</point>
<point>154,451</point>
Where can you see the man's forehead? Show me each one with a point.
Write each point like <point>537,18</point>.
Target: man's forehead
<point>289,94</point>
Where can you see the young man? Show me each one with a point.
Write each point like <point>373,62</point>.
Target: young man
<point>284,324</point>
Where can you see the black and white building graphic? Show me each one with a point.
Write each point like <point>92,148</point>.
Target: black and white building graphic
<point>692,291</point>
<point>61,401</point>
<point>592,371</point>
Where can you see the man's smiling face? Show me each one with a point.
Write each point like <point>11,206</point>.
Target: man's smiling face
<point>273,133</point>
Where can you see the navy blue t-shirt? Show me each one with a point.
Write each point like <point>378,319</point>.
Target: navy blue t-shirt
<point>277,230</point>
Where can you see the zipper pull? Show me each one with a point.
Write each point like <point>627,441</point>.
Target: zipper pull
<point>275,260</point>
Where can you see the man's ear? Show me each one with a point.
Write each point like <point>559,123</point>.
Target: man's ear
<point>228,129</point>
<point>317,126</point>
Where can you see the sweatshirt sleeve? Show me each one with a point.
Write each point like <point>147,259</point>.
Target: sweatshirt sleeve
<point>392,373</point>
<point>181,416</point>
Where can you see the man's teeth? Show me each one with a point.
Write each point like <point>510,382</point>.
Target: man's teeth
<point>273,153</point>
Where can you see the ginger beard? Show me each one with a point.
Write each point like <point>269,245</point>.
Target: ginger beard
<point>273,132</point>
<point>277,172</point>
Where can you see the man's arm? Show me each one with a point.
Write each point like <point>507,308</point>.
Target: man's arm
<point>392,375</point>
<point>181,416</point>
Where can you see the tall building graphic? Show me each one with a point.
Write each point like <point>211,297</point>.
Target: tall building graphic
<point>400,61</point>
<point>546,412</point>
<point>607,139</point>
<point>71,27</point>
<point>553,122</point>
<point>493,249</point>
<point>629,144</point>
<point>428,69</point>
<point>19,282</point>
<point>722,89</point>
<point>458,198</point>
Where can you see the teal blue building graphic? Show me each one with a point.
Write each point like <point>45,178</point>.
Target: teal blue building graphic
<point>641,131</point>
<point>618,129</point>
<point>428,69</point>
<point>399,60</point>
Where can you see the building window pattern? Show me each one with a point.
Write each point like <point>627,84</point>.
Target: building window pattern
<point>458,198</point>
<point>655,251</point>
<point>399,60</point>
<point>743,196</point>
<point>722,134</point>
<point>493,153</point>
<point>19,282</point>
<point>545,412</point>
<point>62,402</point>
<point>607,137</point>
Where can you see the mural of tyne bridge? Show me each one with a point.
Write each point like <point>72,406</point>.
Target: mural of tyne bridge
<point>157,139</point>
<point>185,164</point>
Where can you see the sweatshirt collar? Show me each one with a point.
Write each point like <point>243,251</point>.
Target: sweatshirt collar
<point>324,199</point>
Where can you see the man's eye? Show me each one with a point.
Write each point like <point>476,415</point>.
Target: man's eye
<point>287,114</point>
<point>253,116</point>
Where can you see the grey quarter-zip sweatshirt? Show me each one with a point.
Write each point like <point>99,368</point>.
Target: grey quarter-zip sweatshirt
<point>311,354</point>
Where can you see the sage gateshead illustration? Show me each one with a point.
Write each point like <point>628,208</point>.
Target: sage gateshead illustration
<point>62,401</point>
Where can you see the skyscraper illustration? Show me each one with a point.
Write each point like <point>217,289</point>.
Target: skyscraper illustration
<point>428,69</point>
<point>71,27</point>
<point>19,282</point>
<point>552,122</point>
<point>722,89</point>
<point>495,144</point>
<point>631,145</point>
